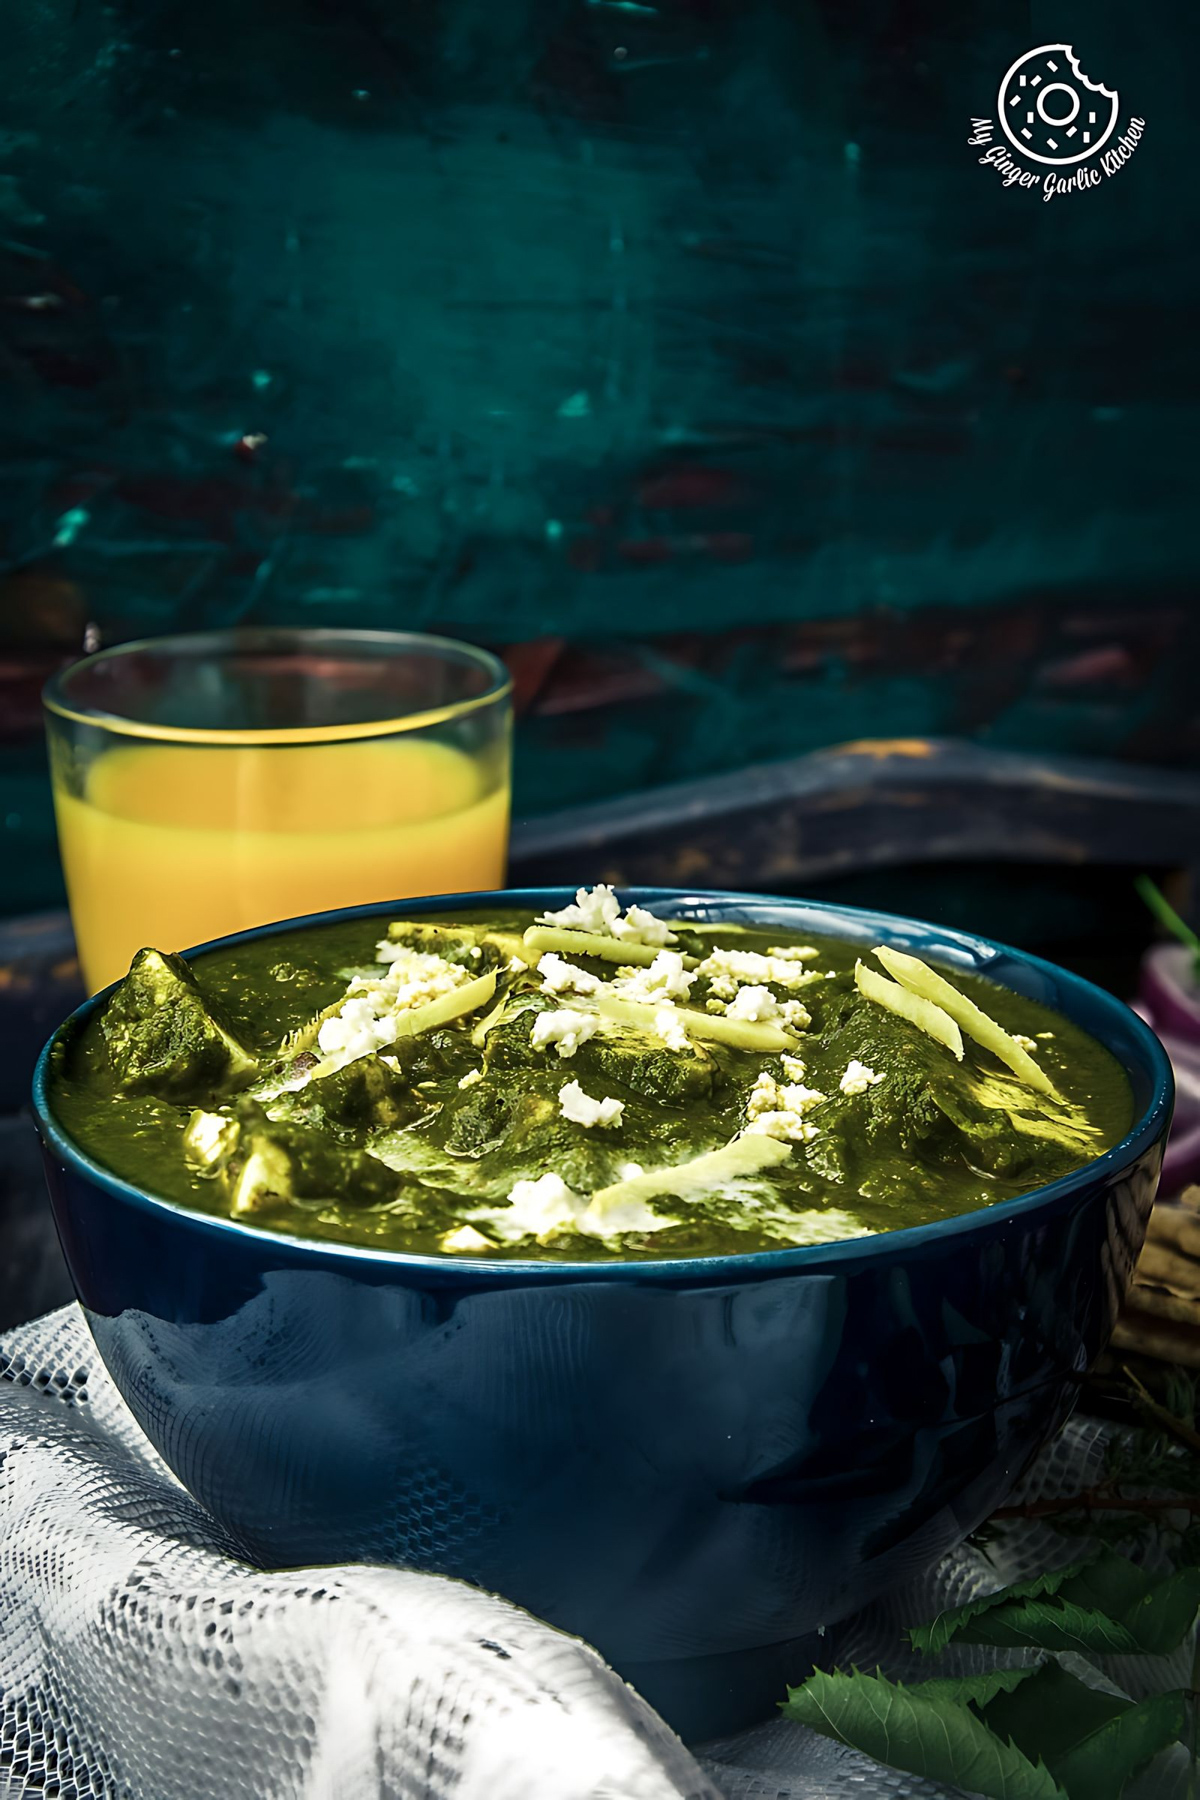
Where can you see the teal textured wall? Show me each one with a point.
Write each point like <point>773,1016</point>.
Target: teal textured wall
<point>683,350</point>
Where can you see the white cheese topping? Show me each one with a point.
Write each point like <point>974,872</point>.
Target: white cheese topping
<point>594,910</point>
<point>639,926</point>
<point>798,1099</point>
<point>536,1208</point>
<point>665,979</point>
<point>627,1215</point>
<point>763,1095</point>
<point>413,976</point>
<point>388,952</point>
<point>787,1126</point>
<point>265,1171</point>
<point>207,1137</point>
<point>418,976</point>
<point>465,1237</point>
<point>366,1020</point>
<point>562,977</point>
<point>758,1005</point>
<point>1026,1043</point>
<point>470,1078</point>
<point>793,1068</point>
<point>755,1003</point>
<point>775,1110</point>
<point>598,910</point>
<point>858,1078</point>
<point>671,1029</point>
<point>359,1028</point>
<point>817,1227</point>
<point>565,1029</point>
<point>581,1109</point>
<point>727,970</point>
<point>546,1206</point>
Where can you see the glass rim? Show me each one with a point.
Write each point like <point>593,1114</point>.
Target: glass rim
<point>56,701</point>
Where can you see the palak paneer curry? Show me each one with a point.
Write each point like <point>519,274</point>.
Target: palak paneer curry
<point>593,1083</point>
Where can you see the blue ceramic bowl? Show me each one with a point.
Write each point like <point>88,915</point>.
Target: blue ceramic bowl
<point>691,1464</point>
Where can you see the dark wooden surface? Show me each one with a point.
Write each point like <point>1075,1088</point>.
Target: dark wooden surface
<point>871,805</point>
<point>781,827</point>
<point>757,414</point>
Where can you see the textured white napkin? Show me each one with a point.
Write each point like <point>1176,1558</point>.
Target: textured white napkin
<point>140,1660</point>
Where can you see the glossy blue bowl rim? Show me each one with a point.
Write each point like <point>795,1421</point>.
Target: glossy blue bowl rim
<point>865,925</point>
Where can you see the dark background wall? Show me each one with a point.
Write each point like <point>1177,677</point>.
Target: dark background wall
<point>683,350</point>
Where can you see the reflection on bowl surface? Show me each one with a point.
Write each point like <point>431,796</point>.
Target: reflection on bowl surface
<point>676,1460</point>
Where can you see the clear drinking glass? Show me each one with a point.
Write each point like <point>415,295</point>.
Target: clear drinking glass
<point>207,783</point>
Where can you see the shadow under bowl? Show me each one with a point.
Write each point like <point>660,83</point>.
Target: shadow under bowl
<point>691,1464</point>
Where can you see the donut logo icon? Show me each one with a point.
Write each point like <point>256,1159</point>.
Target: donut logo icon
<point>1051,112</point>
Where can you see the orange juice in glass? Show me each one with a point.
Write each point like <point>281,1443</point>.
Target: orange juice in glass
<point>207,783</point>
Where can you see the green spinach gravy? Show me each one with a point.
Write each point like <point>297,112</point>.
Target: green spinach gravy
<point>588,1085</point>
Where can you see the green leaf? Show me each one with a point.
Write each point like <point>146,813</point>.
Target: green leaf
<point>1099,1768</point>
<point>1162,909</point>
<point>929,1735</point>
<point>1105,1606</point>
<point>1110,1584</point>
<point>1091,1742</point>
<point>975,1690</point>
<point>1161,1619</point>
<point>939,1632</point>
<point>1050,1625</point>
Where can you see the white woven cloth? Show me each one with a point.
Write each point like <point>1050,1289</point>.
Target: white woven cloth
<point>140,1660</point>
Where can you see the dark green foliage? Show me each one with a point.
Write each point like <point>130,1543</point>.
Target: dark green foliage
<point>165,1037</point>
<point>1091,1741</point>
<point>929,1735</point>
<point>1157,1459</point>
<point>1162,1618</point>
<point>1166,915</point>
<point>934,1636</point>
<point>1019,1734</point>
<point>1032,1733</point>
<point>1104,1606</point>
<point>978,1689</point>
